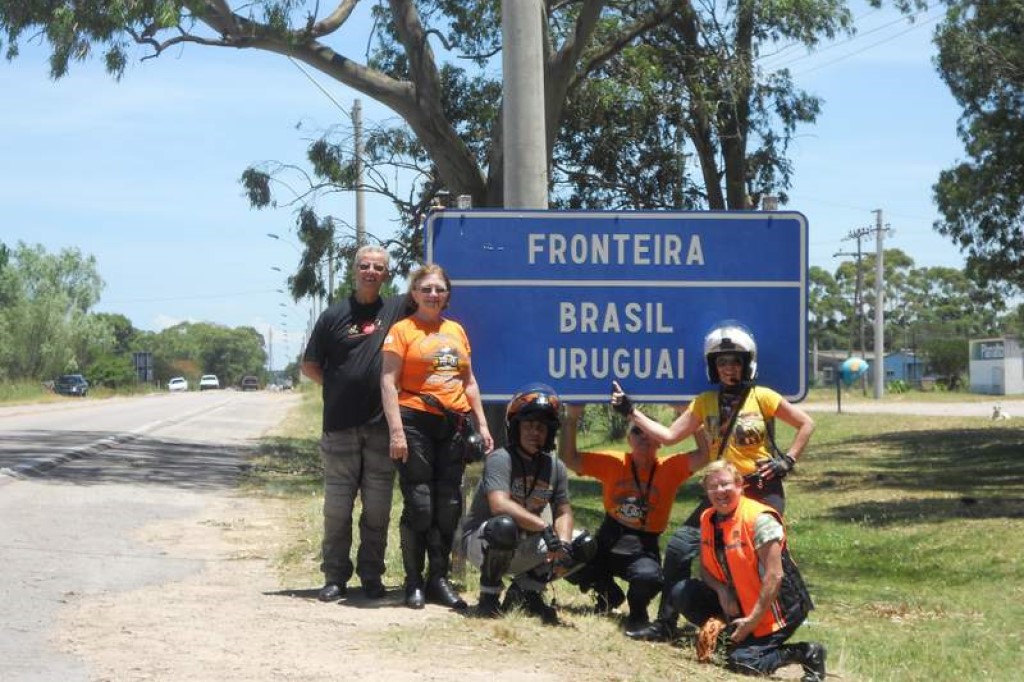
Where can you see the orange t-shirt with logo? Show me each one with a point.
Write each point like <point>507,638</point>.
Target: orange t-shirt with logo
<point>642,501</point>
<point>434,359</point>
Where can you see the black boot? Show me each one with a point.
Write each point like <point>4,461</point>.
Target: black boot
<point>810,655</point>
<point>492,568</point>
<point>414,547</point>
<point>441,591</point>
<point>638,618</point>
<point>489,605</point>
<point>813,662</point>
<point>609,596</point>
<point>662,629</point>
<point>439,588</point>
<point>531,602</point>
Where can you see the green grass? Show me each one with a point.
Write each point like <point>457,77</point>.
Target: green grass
<point>909,531</point>
<point>28,392</point>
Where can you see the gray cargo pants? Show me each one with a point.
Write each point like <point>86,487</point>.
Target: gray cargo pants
<point>356,461</point>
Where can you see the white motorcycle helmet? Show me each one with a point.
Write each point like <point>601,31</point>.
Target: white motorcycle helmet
<point>733,338</point>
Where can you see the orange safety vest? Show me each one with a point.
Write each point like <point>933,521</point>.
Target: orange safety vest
<point>741,572</point>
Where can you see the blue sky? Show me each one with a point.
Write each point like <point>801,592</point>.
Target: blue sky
<point>143,174</point>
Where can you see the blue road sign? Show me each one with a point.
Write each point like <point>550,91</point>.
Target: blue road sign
<point>577,299</point>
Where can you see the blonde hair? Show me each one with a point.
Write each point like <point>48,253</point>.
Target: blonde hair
<point>422,273</point>
<point>717,466</point>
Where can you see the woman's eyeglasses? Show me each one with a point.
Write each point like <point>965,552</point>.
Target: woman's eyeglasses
<point>726,361</point>
<point>432,289</point>
<point>376,267</point>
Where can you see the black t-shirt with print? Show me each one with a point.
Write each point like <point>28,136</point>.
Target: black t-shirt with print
<point>346,343</point>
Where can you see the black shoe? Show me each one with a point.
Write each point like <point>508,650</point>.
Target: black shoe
<point>658,631</point>
<point>374,589</point>
<point>489,606</point>
<point>813,661</point>
<point>608,599</point>
<point>636,622</point>
<point>414,597</point>
<point>531,602</point>
<point>332,592</point>
<point>441,591</point>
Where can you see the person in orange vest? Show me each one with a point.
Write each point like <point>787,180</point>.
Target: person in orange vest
<point>749,580</point>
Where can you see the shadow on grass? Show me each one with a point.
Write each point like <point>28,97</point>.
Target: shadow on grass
<point>979,473</point>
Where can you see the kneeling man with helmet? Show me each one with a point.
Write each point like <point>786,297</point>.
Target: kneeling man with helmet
<point>507,532</point>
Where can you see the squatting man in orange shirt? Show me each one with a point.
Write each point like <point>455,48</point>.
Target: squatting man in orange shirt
<point>638,491</point>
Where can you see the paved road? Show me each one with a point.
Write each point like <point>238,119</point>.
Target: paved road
<point>1014,407</point>
<point>70,529</point>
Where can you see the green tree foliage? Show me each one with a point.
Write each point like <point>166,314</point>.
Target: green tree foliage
<point>948,358</point>
<point>112,371</point>
<point>981,199</point>
<point>191,349</point>
<point>827,310</point>
<point>45,322</point>
<point>121,328</point>
<point>922,306</point>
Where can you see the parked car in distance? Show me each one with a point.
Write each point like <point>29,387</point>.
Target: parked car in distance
<point>71,384</point>
<point>177,384</point>
<point>250,383</point>
<point>208,381</point>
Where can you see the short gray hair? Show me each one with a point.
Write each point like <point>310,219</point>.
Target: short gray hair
<point>372,248</point>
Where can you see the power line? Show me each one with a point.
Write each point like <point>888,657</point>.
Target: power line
<point>320,87</point>
<point>871,46</point>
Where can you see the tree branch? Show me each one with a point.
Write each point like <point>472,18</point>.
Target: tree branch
<point>334,20</point>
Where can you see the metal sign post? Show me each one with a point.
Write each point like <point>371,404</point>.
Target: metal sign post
<point>578,299</point>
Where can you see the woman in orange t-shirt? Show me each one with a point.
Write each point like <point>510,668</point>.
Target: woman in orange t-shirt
<point>428,391</point>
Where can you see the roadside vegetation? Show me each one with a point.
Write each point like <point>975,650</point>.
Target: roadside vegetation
<point>910,531</point>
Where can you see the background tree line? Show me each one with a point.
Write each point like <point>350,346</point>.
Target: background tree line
<point>932,311</point>
<point>48,327</point>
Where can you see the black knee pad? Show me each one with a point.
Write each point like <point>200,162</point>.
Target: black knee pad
<point>418,513</point>
<point>583,548</point>
<point>501,532</point>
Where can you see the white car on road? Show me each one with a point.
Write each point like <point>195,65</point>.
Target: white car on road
<point>177,384</point>
<point>208,381</point>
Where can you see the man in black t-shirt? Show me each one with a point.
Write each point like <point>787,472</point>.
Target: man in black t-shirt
<point>343,356</point>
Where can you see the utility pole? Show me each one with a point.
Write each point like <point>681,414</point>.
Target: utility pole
<point>270,348</point>
<point>858,303</point>
<point>879,314</point>
<point>523,113</point>
<point>357,125</point>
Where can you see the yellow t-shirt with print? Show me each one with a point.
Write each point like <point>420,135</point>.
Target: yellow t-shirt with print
<point>748,440</point>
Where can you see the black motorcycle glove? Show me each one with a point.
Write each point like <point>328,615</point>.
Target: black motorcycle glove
<point>551,539</point>
<point>778,466</point>
<point>624,406</point>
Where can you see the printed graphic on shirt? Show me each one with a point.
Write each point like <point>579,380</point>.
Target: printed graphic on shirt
<point>363,327</point>
<point>532,493</point>
<point>629,504</point>
<point>445,359</point>
<point>749,429</point>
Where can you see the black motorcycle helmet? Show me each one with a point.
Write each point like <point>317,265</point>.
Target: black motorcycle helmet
<point>534,401</point>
